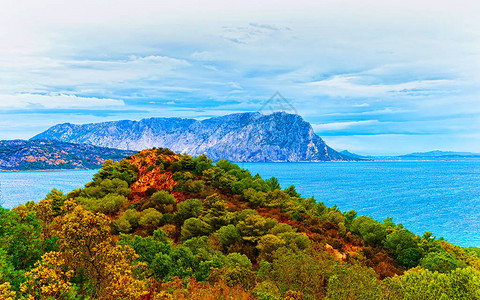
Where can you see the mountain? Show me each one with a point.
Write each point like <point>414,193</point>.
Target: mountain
<point>431,155</point>
<point>42,155</point>
<point>354,155</point>
<point>441,155</point>
<point>251,137</point>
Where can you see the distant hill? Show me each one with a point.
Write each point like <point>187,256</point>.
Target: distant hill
<point>354,155</point>
<point>244,137</point>
<point>43,155</point>
<point>441,155</point>
<point>431,155</point>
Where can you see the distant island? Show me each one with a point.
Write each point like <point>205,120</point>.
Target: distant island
<point>23,155</point>
<point>430,155</point>
<point>242,137</point>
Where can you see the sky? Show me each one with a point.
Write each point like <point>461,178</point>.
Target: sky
<point>375,77</point>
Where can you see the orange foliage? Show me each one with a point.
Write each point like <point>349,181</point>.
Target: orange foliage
<point>148,177</point>
<point>175,289</point>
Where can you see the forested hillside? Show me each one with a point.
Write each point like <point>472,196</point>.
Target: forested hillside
<point>48,155</point>
<point>160,225</point>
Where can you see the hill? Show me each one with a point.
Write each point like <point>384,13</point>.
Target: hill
<point>244,137</point>
<point>430,155</point>
<point>160,225</point>
<point>46,155</point>
<point>354,155</point>
<point>441,155</point>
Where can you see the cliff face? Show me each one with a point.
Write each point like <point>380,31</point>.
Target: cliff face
<point>42,155</point>
<point>249,137</point>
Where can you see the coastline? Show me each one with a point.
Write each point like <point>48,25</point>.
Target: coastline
<point>47,170</point>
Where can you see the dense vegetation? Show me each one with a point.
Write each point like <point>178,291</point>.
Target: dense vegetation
<point>159,225</point>
<point>50,154</point>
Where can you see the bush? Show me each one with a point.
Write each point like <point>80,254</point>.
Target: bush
<point>228,235</point>
<point>162,201</point>
<point>372,231</point>
<point>150,219</point>
<point>189,208</point>
<point>404,245</point>
<point>109,204</point>
<point>442,262</point>
<point>195,186</point>
<point>193,227</point>
<point>226,165</point>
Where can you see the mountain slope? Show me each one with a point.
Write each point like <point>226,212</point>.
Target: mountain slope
<point>238,137</point>
<point>42,155</point>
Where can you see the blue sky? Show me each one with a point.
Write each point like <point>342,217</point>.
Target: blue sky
<point>373,77</point>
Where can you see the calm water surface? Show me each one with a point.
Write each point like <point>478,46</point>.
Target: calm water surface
<point>441,197</point>
<point>19,187</point>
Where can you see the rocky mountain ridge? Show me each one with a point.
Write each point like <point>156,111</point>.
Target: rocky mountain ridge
<point>242,137</point>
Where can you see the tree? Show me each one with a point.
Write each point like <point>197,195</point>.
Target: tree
<point>273,183</point>
<point>20,237</point>
<point>442,262</point>
<point>58,198</point>
<point>202,163</point>
<point>215,211</point>
<point>353,282</point>
<point>194,186</point>
<point>8,274</point>
<point>5,291</point>
<point>153,250</point>
<point>256,198</point>
<point>228,235</point>
<point>370,230</point>
<point>404,245</point>
<point>193,227</point>
<point>109,204</point>
<point>287,272</point>
<point>291,191</point>
<point>255,226</point>
<point>49,278</point>
<point>151,219</point>
<point>226,165</point>
<point>184,262</point>
<point>162,201</point>
<point>87,248</point>
<point>189,208</point>
<point>127,222</point>
<point>267,245</point>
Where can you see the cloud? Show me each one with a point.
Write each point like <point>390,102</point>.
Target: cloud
<point>361,105</point>
<point>357,86</point>
<point>342,125</point>
<point>365,69</point>
<point>56,101</point>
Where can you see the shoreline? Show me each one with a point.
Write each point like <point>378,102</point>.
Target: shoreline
<point>47,170</point>
<point>273,162</point>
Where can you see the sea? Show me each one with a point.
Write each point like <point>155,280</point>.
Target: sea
<point>442,197</point>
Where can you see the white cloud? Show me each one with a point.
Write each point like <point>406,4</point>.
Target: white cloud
<point>361,105</point>
<point>352,86</point>
<point>389,57</point>
<point>342,125</point>
<point>60,101</point>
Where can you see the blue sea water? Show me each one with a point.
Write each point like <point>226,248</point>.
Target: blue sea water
<point>442,197</point>
<point>19,187</point>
